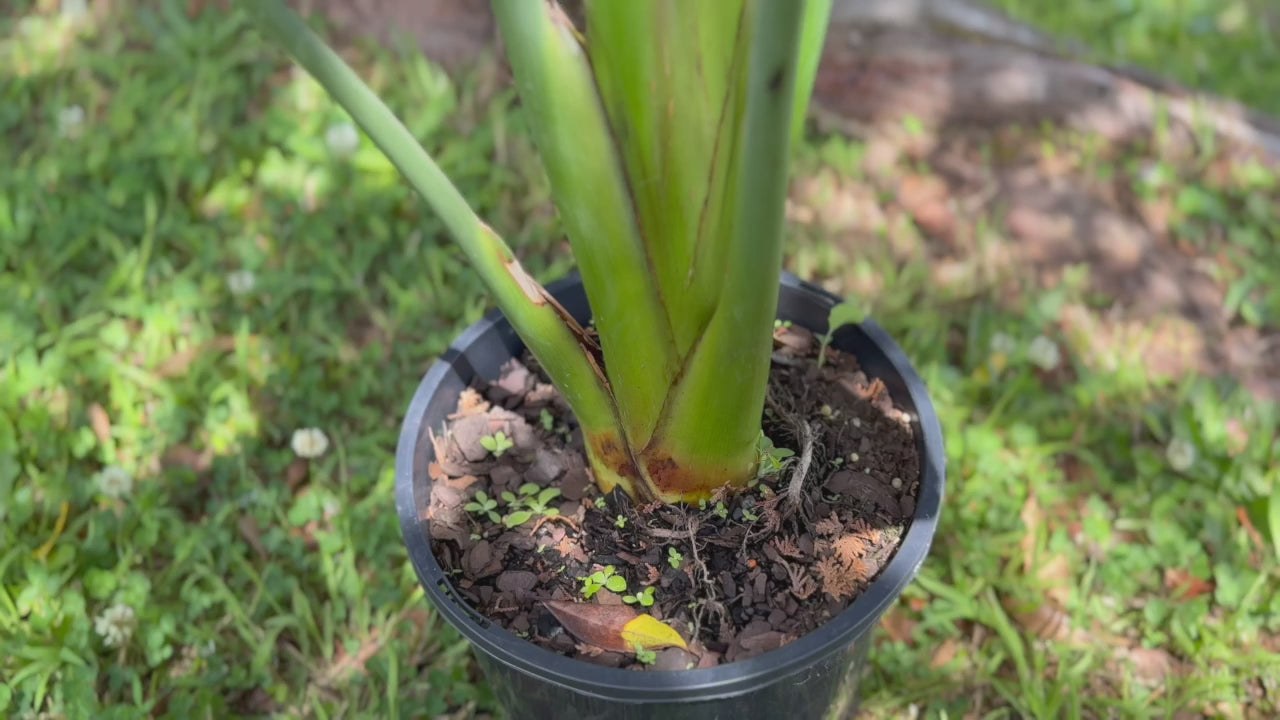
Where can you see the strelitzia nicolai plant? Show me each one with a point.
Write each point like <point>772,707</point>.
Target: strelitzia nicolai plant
<point>665,129</point>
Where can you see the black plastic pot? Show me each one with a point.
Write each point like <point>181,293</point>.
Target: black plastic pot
<point>816,676</point>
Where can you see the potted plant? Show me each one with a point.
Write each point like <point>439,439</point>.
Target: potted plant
<point>766,474</point>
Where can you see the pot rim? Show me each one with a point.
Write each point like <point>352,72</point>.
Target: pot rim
<point>656,686</point>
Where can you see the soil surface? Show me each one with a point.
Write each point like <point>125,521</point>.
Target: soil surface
<point>737,576</point>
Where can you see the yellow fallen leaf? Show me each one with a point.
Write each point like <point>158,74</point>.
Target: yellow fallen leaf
<point>650,632</point>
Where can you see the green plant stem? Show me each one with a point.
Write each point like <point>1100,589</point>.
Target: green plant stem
<point>574,140</point>
<point>548,334</point>
<point>714,413</point>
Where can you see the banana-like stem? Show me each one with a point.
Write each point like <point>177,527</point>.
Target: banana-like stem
<point>551,335</point>
<point>665,132</point>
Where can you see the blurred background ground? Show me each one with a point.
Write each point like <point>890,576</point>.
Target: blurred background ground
<point>1077,248</point>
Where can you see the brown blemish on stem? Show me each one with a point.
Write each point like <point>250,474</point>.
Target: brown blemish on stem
<point>608,451</point>
<point>672,480</point>
<point>530,287</point>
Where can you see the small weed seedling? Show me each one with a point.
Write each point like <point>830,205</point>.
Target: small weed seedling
<point>606,578</point>
<point>674,558</point>
<point>845,313</point>
<point>645,599</point>
<point>528,501</point>
<point>620,521</point>
<point>770,457</point>
<point>601,503</point>
<point>496,443</point>
<point>548,422</point>
<point>483,505</point>
<point>648,657</point>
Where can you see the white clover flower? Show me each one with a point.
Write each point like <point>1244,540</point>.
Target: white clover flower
<point>1180,454</point>
<point>241,282</point>
<point>308,443</point>
<point>115,624</point>
<point>1044,353</point>
<point>1003,344</point>
<point>114,481</point>
<point>342,138</point>
<point>70,121</point>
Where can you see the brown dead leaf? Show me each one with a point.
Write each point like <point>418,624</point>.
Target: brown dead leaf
<point>850,549</point>
<point>1184,585</point>
<point>1150,666</point>
<point>839,580</point>
<point>828,526</point>
<point>652,574</point>
<point>435,472</point>
<point>927,199</point>
<point>945,653</point>
<point>570,548</point>
<point>460,483</point>
<point>1032,518</point>
<point>1053,571</point>
<point>100,422</point>
<point>794,340</point>
<point>178,363</point>
<point>1045,620</point>
<point>1242,515</point>
<point>345,663</point>
<point>611,627</point>
<point>188,457</point>
<point>296,473</point>
<point>470,402</point>
<point>787,547</point>
<point>252,534</point>
<point>898,625</point>
<point>588,650</point>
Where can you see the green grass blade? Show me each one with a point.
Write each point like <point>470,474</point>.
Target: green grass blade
<point>521,299</point>
<point>714,414</point>
<point>574,141</point>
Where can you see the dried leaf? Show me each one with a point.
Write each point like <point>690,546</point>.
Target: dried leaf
<point>829,526</point>
<point>1184,585</point>
<point>898,625</point>
<point>652,574</point>
<point>100,422</point>
<point>837,580</point>
<point>252,534</point>
<point>1151,666</point>
<point>296,473</point>
<point>850,548</point>
<point>1045,620</point>
<point>614,627</point>
<point>787,547</point>
<point>945,653</point>
<point>470,402</point>
<point>188,457</point>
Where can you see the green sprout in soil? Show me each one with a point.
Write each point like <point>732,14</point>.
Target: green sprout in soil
<point>496,443</point>
<point>648,657</point>
<point>602,579</point>
<point>645,598</point>
<point>483,505</point>
<point>674,558</point>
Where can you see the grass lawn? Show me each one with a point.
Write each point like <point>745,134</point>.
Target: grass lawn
<point>197,259</point>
